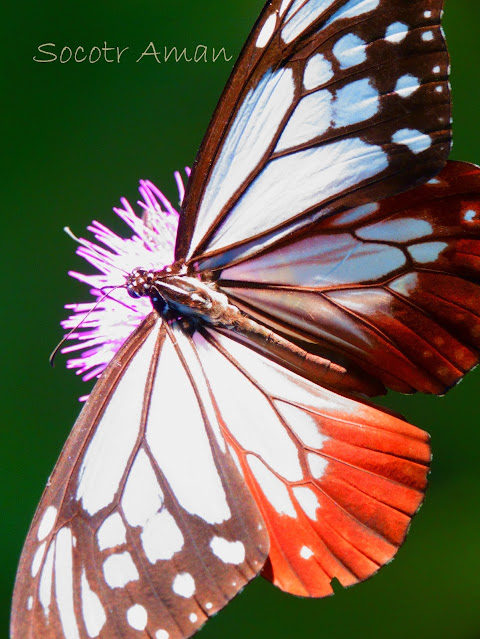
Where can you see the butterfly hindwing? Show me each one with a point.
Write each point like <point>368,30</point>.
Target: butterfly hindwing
<point>336,479</point>
<point>332,103</point>
<point>146,526</point>
<point>393,285</point>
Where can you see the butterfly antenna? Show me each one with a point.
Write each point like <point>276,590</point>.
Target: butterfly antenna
<point>91,247</point>
<point>53,354</point>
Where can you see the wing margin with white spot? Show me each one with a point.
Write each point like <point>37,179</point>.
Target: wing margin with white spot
<point>332,104</point>
<point>125,539</point>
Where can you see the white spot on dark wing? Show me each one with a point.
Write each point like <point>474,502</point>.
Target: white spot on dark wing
<point>428,14</point>
<point>318,71</point>
<point>267,31</point>
<point>161,537</point>
<point>427,36</point>
<point>308,501</point>
<point>416,141</point>
<point>200,490</point>
<point>92,610</point>
<point>137,617</point>
<point>427,252</point>
<point>350,51</point>
<point>251,133</point>
<point>437,69</point>
<point>318,173</point>
<point>317,464</point>
<point>396,230</point>
<point>356,102</point>
<point>184,585</point>
<point>353,8</point>
<point>469,215</point>
<point>64,584</point>
<point>119,569</point>
<point>46,579</point>
<point>142,496</point>
<point>112,532</point>
<point>311,118</point>
<point>396,32</point>
<point>273,488</point>
<point>297,22</point>
<point>283,7</point>
<point>439,89</point>
<point>407,85</point>
<point>47,523</point>
<point>110,448</point>
<point>302,424</point>
<point>230,552</point>
<point>37,559</point>
<point>357,214</point>
<point>306,552</point>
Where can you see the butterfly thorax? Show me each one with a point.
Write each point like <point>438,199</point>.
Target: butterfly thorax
<point>173,291</point>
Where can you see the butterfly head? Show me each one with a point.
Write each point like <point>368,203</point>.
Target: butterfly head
<point>139,282</point>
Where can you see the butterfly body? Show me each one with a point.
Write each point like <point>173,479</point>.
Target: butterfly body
<point>176,292</point>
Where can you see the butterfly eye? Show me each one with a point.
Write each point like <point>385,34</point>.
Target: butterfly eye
<point>132,292</point>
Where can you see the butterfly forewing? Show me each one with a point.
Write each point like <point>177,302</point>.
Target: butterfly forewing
<point>332,103</point>
<point>146,526</point>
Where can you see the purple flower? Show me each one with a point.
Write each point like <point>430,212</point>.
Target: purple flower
<point>151,245</point>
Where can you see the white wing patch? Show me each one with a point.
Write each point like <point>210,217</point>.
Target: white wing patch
<point>111,446</point>
<point>64,584</point>
<point>119,569</point>
<point>415,140</point>
<point>396,230</point>
<point>161,537</point>
<point>230,552</point>
<point>333,260</point>
<point>313,174</point>
<point>112,532</point>
<point>318,71</point>
<point>273,488</point>
<point>142,497</point>
<point>407,85</point>
<point>427,252</point>
<point>356,102</point>
<point>352,9</point>
<point>137,617</point>
<point>184,585</point>
<point>297,22</point>
<point>46,580</point>
<point>308,501</point>
<point>174,426</point>
<point>267,31</point>
<point>350,51</point>
<point>252,132</point>
<point>257,425</point>
<point>47,523</point>
<point>396,32</point>
<point>92,610</point>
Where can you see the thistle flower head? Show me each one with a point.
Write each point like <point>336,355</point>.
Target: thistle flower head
<point>111,319</point>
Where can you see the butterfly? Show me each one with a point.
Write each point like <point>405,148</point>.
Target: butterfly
<point>326,251</point>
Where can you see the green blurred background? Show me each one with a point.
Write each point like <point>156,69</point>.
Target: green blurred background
<point>77,136</point>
